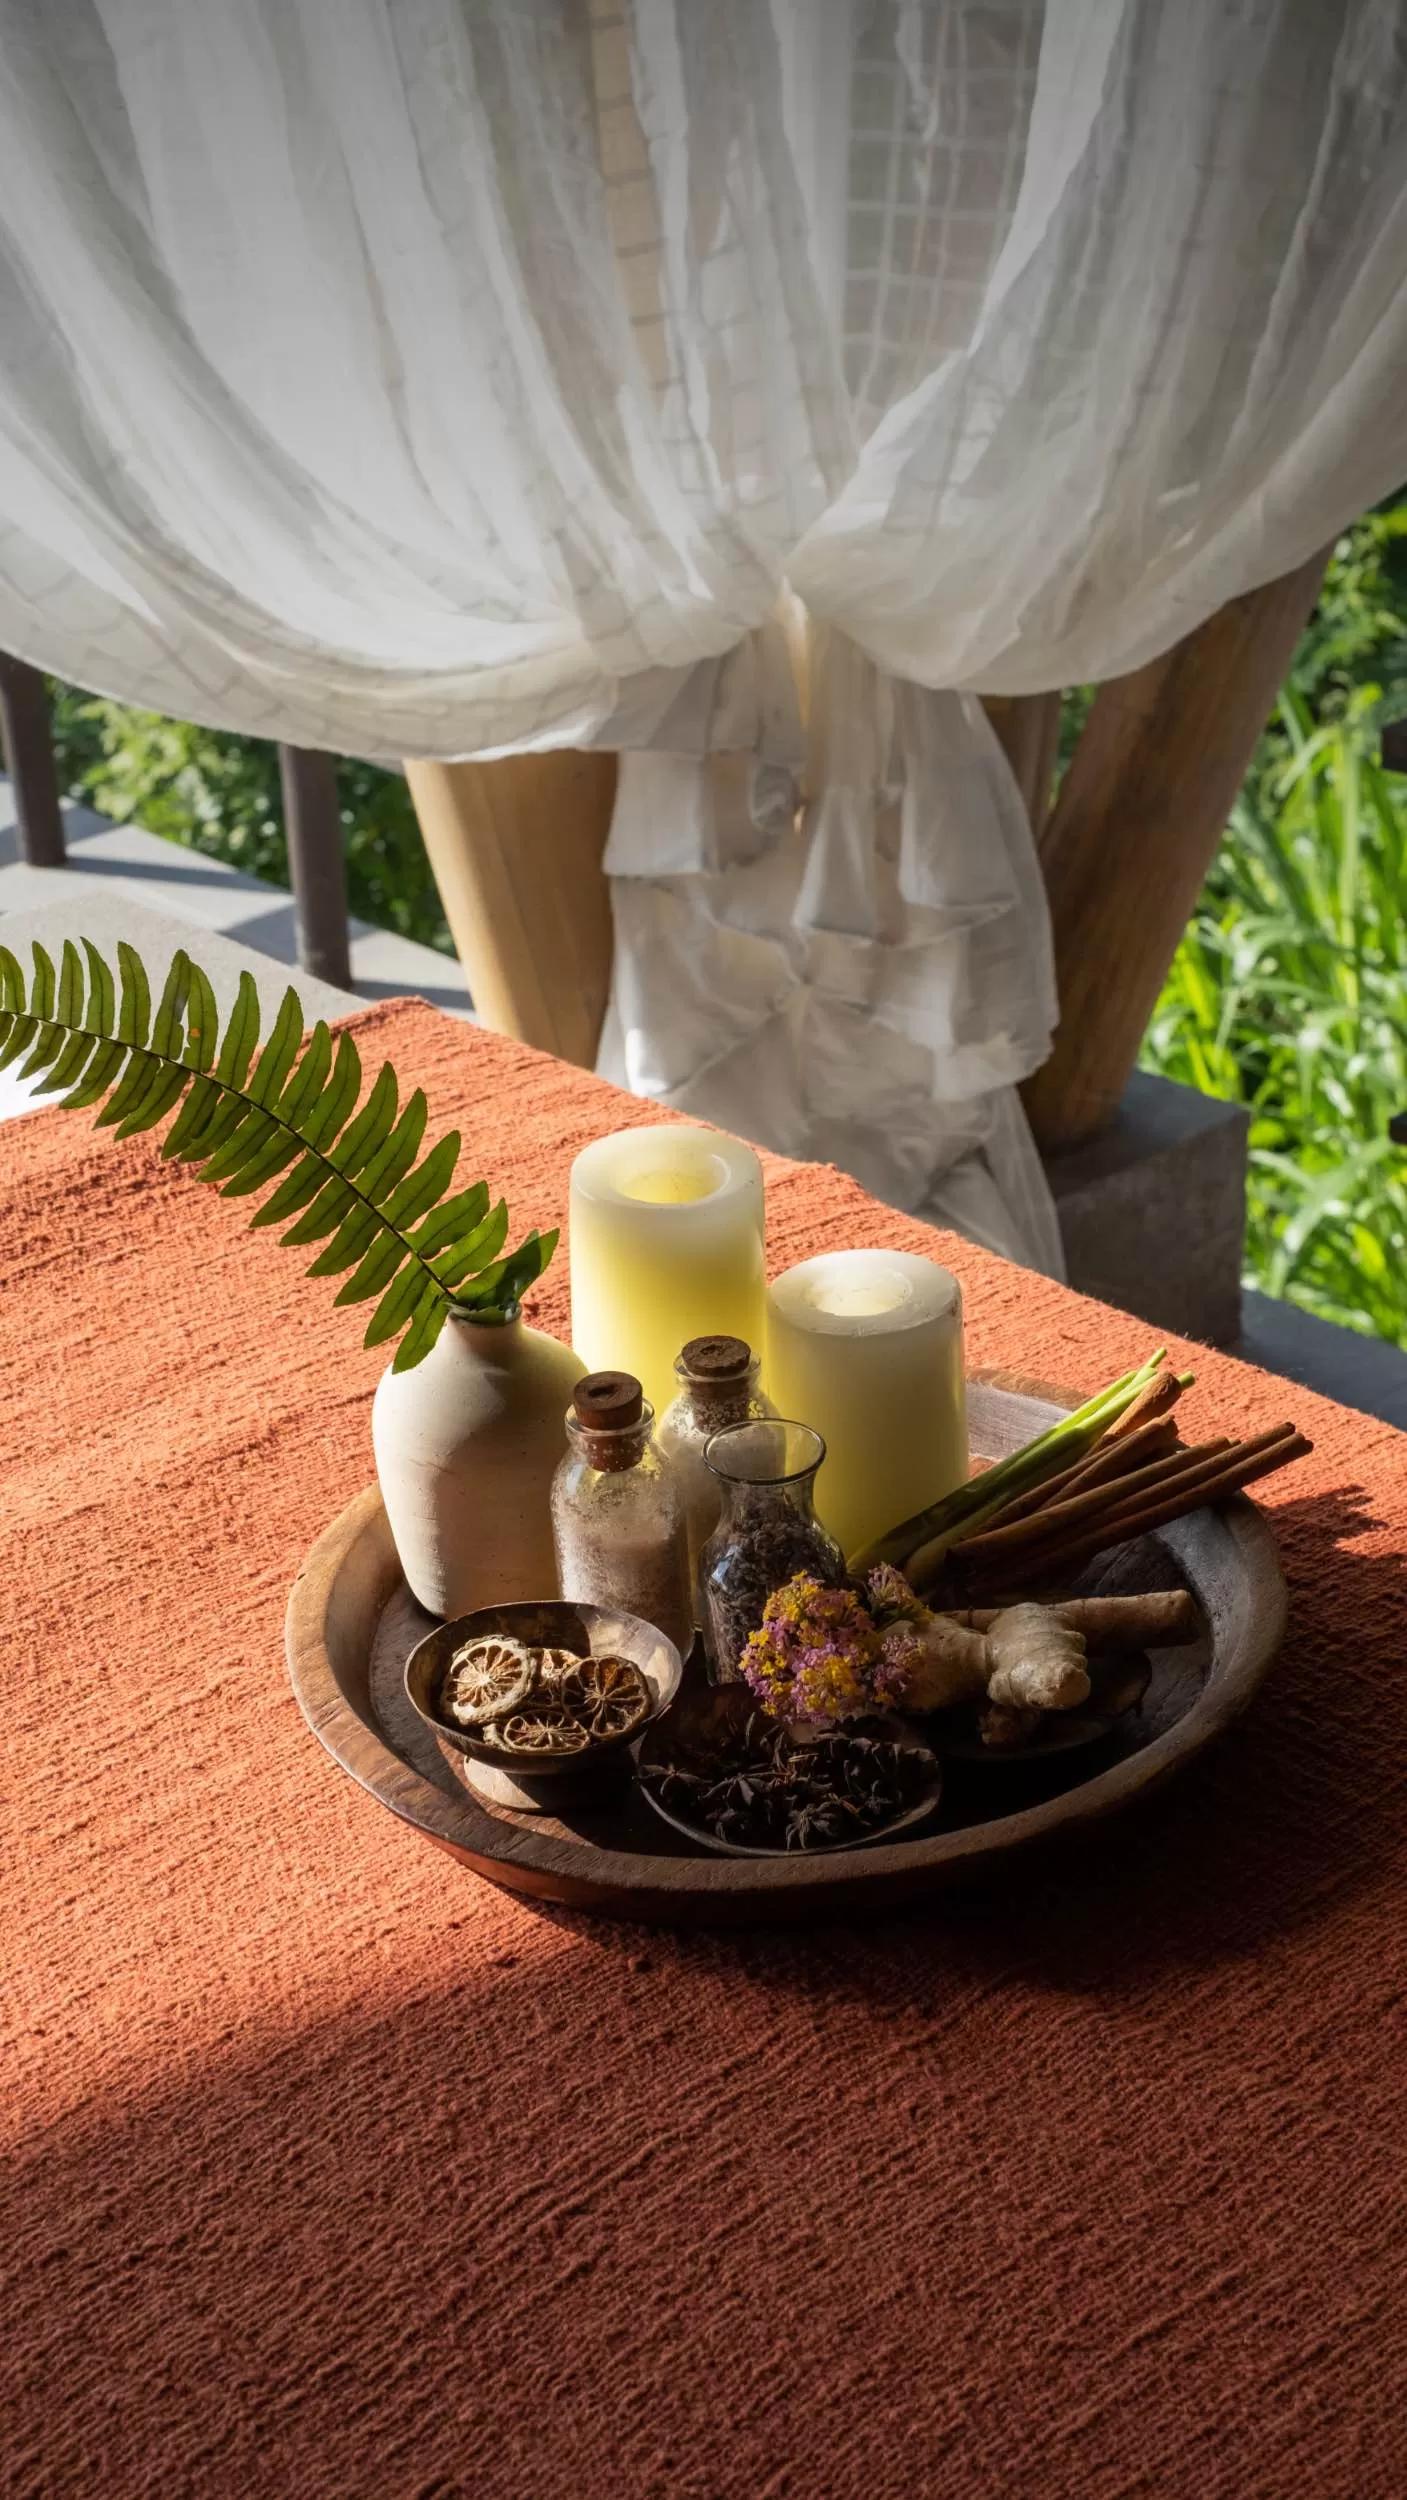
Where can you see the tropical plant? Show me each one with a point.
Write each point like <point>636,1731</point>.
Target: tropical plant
<point>1289,994</point>
<point>351,1178</point>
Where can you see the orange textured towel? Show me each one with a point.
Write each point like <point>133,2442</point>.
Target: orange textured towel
<point>332,2171</point>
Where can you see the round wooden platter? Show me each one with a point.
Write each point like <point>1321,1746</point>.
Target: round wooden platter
<point>352,1624</point>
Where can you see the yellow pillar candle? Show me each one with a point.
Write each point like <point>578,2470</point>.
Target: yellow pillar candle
<point>666,1244</point>
<point>866,1346</point>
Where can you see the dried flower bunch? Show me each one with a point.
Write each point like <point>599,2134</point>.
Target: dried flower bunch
<point>522,1699</point>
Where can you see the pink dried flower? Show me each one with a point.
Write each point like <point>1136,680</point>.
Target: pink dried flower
<point>818,1656</point>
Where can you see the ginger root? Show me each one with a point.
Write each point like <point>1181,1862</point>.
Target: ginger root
<point>1027,1659</point>
<point>1037,1662</point>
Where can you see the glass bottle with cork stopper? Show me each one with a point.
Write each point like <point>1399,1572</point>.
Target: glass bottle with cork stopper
<point>717,1379</point>
<point>617,1512</point>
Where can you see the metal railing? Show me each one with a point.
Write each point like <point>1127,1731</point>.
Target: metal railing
<point>316,867</point>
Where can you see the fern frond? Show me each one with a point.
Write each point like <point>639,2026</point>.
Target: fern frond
<point>350,1173</point>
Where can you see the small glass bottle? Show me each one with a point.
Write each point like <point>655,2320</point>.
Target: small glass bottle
<point>768,1532</point>
<point>717,1379</point>
<point>617,1515</point>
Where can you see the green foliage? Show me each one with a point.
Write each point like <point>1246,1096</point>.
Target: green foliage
<point>352,1178</point>
<point>219,793</point>
<point>1289,991</point>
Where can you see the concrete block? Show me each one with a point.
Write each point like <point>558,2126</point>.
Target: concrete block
<point>1153,1213</point>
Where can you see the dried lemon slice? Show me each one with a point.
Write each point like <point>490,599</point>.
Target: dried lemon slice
<point>608,1695</point>
<point>484,1677</point>
<point>541,1727</point>
<point>552,1664</point>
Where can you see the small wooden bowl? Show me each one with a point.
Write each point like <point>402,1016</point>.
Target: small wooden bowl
<point>545,1623</point>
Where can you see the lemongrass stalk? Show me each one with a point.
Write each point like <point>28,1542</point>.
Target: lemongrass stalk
<point>962,1510</point>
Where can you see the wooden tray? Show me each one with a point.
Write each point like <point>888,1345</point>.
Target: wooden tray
<point>352,1623</point>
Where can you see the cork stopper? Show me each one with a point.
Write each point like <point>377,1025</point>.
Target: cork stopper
<point>716,1358</point>
<point>608,1401</point>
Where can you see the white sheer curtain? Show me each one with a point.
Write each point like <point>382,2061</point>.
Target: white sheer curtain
<point>741,383</point>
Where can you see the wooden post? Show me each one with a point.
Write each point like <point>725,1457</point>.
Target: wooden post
<point>516,849</point>
<point>1028,726</point>
<point>1139,815</point>
<point>27,738</point>
<point>317,870</point>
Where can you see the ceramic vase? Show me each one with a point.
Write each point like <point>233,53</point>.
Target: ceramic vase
<point>466,1447</point>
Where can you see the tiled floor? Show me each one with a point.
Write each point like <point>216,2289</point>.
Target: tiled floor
<point>103,858</point>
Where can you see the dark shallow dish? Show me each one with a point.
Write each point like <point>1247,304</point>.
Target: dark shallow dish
<point>1118,1685</point>
<point>709,1715</point>
<point>546,1623</point>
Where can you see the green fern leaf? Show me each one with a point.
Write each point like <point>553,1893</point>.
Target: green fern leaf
<point>202,1021</point>
<point>425,1184</point>
<point>350,1175</point>
<point>421,1335</point>
<point>398,1304</point>
<point>302,1184</point>
<point>274,1156</point>
<point>375,1271</point>
<point>21,1034</point>
<point>393,1162</point>
<point>248,1140</point>
<point>49,1041</point>
<point>134,1011</point>
<point>279,1052</point>
<point>69,1064</point>
<point>308,1078</point>
<point>68,1005</point>
<point>102,995</point>
<point>334,1200</point>
<point>166,1086</point>
<point>41,988</point>
<point>102,1070</point>
<point>241,1035</point>
<point>168,1031</point>
<point>453,1221</point>
<point>476,1251</point>
<point>370,1129</point>
<point>354,1235</point>
<point>324,1122</point>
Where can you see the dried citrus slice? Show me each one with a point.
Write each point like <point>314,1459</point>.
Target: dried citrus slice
<point>484,1677</point>
<point>539,1727</point>
<point>608,1695</point>
<point>552,1664</point>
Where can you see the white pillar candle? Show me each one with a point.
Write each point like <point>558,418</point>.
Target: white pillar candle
<point>866,1346</point>
<point>666,1244</point>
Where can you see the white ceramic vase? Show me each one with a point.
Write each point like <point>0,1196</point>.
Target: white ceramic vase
<point>466,1447</point>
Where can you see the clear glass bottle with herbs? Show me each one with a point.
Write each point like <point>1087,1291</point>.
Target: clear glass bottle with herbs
<point>767,1533</point>
<point>717,1379</point>
<point>617,1511</point>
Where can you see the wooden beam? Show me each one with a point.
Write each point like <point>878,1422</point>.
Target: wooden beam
<point>1140,813</point>
<point>316,867</point>
<point>26,735</point>
<point>516,849</point>
<point>1028,726</point>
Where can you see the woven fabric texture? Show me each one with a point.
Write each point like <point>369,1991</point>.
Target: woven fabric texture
<point>330,2170</point>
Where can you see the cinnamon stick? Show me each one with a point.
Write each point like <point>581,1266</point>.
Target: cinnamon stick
<point>1061,1516</point>
<point>1159,1398</point>
<point>1245,1463</point>
<point>1107,1459</point>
